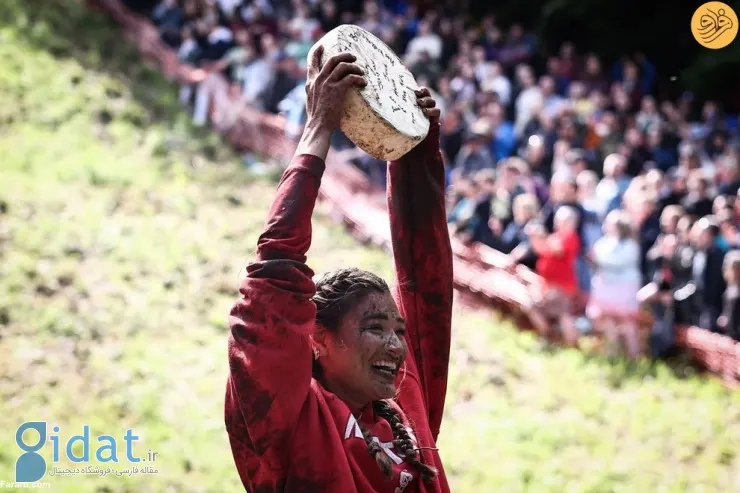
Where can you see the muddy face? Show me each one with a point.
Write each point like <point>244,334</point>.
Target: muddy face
<point>362,359</point>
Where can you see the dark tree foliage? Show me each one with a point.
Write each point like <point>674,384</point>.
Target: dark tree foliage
<point>614,28</point>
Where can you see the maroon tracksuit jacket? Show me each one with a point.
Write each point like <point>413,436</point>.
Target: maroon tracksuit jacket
<point>287,432</point>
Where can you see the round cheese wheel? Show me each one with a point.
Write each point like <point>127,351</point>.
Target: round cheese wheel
<point>382,118</point>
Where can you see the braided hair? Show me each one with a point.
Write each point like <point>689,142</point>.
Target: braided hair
<point>402,440</point>
<point>336,293</point>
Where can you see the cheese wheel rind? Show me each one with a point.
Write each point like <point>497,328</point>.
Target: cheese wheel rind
<point>382,118</point>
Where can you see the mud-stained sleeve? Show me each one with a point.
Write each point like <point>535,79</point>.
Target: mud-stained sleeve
<point>269,350</point>
<point>423,262</point>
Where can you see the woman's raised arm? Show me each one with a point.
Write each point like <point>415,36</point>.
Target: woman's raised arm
<point>269,350</point>
<point>423,261</point>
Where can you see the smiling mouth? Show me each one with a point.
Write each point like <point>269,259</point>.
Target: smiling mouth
<point>386,368</point>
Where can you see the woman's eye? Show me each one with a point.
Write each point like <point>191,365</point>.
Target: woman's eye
<point>401,332</point>
<point>375,328</point>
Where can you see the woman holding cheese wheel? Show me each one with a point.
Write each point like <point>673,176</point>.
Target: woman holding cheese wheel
<point>337,384</point>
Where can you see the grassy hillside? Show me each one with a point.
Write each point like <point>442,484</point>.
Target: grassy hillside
<point>122,233</point>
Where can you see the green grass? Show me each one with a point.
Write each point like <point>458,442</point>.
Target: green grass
<point>122,234</point>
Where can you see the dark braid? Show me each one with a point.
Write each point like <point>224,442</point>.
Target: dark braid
<point>336,292</point>
<point>376,452</point>
<point>402,439</point>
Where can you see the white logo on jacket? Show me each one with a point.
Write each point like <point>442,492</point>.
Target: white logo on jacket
<point>352,428</point>
<point>406,479</point>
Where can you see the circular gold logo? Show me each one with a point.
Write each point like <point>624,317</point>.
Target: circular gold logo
<point>714,25</point>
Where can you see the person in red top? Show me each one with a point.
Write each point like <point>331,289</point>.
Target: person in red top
<point>556,264</point>
<point>338,384</point>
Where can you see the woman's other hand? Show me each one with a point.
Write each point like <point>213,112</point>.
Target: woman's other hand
<point>428,105</point>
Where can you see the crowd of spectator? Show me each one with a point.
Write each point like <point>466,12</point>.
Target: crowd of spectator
<point>569,165</point>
